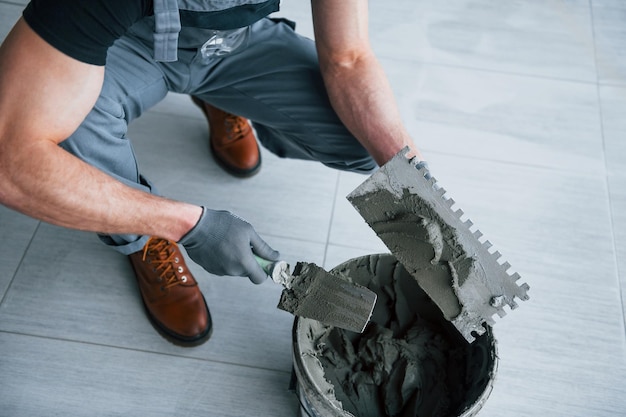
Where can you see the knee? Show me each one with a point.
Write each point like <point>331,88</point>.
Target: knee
<point>337,151</point>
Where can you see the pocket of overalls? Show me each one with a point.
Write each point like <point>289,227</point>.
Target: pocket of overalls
<point>224,42</point>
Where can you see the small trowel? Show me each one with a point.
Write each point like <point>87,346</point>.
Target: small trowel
<point>313,293</point>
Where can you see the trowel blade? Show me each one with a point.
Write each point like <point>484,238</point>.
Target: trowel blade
<point>412,215</point>
<point>319,295</point>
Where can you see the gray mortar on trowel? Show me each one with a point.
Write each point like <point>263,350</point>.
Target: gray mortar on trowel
<point>410,213</point>
<point>314,293</point>
<point>298,298</point>
<point>434,248</point>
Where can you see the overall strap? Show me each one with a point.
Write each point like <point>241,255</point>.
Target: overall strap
<point>166,29</point>
<point>225,14</point>
<point>206,14</point>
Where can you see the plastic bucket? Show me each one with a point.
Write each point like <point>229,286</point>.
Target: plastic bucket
<point>467,370</point>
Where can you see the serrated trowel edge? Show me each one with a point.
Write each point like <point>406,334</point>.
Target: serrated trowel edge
<point>483,291</point>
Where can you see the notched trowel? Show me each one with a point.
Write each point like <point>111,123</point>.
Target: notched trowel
<point>313,293</point>
<point>407,209</point>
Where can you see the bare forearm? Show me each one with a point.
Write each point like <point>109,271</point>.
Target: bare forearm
<point>362,96</point>
<point>38,109</point>
<point>358,88</point>
<point>47,183</point>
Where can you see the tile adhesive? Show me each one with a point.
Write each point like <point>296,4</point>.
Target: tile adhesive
<point>410,361</point>
<point>434,297</point>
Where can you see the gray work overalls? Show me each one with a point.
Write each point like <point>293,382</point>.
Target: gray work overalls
<point>272,78</point>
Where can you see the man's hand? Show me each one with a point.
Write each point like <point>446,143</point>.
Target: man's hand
<point>223,244</point>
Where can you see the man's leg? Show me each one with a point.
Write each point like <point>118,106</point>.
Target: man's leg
<point>133,83</point>
<point>276,82</point>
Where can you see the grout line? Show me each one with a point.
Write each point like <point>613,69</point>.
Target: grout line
<point>615,84</point>
<point>294,238</point>
<point>607,180</point>
<point>19,264</point>
<point>151,352</point>
<point>332,216</point>
<point>615,258</point>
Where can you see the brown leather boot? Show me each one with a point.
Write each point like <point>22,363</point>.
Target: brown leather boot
<point>232,141</point>
<point>170,294</point>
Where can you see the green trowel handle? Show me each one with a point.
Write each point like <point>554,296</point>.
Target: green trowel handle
<point>277,270</point>
<point>266,264</point>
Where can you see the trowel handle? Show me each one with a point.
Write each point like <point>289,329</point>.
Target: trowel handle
<point>266,264</point>
<point>277,270</point>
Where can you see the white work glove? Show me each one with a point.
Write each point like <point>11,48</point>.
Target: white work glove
<point>224,244</point>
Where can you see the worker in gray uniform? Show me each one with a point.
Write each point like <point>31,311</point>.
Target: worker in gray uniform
<point>72,77</point>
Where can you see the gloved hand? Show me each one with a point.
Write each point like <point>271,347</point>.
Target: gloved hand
<point>223,244</point>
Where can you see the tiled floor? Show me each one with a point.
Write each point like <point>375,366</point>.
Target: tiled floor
<point>520,109</point>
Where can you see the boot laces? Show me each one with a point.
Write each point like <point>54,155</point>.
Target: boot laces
<point>237,127</point>
<point>165,261</point>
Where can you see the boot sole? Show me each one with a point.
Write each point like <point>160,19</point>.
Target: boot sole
<point>234,171</point>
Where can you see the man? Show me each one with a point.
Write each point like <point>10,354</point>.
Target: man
<point>74,74</point>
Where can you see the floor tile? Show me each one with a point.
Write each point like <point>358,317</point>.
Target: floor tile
<point>499,117</point>
<point>9,14</point>
<point>349,229</point>
<point>610,38</point>
<point>83,291</point>
<point>337,255</point>
<point>300,13</point>
<point>597,392</point>
<point>296,197</point>
<point>50,377</point>
<point>23,3</point>
<point>20,230</point>
<point>555,230</point>
<point>515,37</point>
<point>552,214</point>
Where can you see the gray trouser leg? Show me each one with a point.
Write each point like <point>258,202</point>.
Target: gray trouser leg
<point>132,84</point>
<point>274,81</point>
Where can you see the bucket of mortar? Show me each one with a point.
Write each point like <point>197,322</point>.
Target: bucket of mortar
<point>409,361</point>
